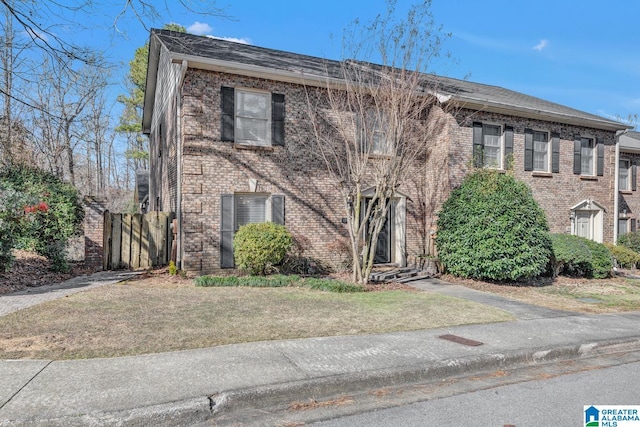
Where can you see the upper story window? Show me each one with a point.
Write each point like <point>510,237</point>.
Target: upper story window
<point>624,175</point>
<point>588,156</point>
<point>492,140</point>
<point>540,151</point>
<point>251,117</point>
<point>373,136</point>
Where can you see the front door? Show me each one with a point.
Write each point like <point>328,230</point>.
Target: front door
<point>383,248</point>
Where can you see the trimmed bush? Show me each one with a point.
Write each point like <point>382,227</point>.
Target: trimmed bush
<point>275,281</point>
<point>577,256</point>
<point>331,285</point>
<point>258,247</point>
<point>624,257</point>
<point>492,228</point>
<point>630,240</point>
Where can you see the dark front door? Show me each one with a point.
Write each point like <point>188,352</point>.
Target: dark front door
<point>383,248</point>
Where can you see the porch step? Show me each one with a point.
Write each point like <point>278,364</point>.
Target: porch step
<point>401,275</point>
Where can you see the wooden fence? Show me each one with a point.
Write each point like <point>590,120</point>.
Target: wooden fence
<point>137,240</point>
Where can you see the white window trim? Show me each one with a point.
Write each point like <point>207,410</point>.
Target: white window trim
<point>500,165</point>
<point>628,180</point>
<point>549,151</point>
<point>238,91</point>
<point>267,206</point>
<point>594,155</point>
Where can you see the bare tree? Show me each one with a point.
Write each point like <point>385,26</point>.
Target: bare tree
<point>372,130</point>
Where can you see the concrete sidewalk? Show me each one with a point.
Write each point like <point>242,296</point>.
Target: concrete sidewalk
<point>189,387</point>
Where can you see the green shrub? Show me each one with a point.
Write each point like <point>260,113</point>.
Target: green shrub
<point>577,256</point>
<point>601,261</point>
<point>258,247</point>
<point>571,255</point>
<point>492,228</point>
<point>625,257</point>
<point>275,281</point>
<point>630,240</point>
<point>331,285</point>
<point>12,214</point>
<point>52,215</point>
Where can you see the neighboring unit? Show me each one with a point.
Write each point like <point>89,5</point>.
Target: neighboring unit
<point>229,136</point>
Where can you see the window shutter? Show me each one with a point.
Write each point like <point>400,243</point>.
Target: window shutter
<point>277,209</point>
<point>555,152</point>
<point>508,145</point>
<point>228,113</point>
<point>633,225</point>
<point>226,231</point>
<point>600,164</point>
<point>634,175</point>
<point>528,150</point>
<point>277,119</point>
<point>577,158</point>
<point>477,145</point>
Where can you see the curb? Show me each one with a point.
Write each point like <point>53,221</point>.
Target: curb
<point>222,406</point>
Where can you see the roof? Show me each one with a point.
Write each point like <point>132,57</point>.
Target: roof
<point>226,56</point>
<point>630,142</point>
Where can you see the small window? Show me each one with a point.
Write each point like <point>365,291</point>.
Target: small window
<point>492,139</point>
<point>587,156</point>
<point>373,136</point>
<point>253,113</point>
<point>540,151</point>
<point>624,175</point>
<point>623,226</point>
<point>250,208</point>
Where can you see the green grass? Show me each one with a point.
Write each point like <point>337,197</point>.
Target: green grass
<point>276,281</point>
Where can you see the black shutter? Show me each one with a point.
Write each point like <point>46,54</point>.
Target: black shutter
<point>478,161</point>
<point>228,113</point>
<point>277,119</point>
<point>528,150</point>
<point>600,164</point>
<point>634,175</point>
<point>555,152</point>
<point>633,225</point>
<point>508,146</point>
<point>226,230</point>
<point>277,209</point>
<point>577,158</point>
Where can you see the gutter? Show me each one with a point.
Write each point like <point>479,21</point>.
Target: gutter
<point>616,186</point>
<point>179,142</point>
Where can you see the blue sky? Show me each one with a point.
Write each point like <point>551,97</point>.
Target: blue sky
<point>582,54</point>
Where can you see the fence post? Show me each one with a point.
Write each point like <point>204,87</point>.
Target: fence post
<point>93,231</point>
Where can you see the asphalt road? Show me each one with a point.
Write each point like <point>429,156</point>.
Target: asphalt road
<point>558,401</point>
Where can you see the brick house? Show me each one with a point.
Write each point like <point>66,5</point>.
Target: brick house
<point>227,125</point>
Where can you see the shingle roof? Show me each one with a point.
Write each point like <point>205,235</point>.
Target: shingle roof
<point>470,94</point>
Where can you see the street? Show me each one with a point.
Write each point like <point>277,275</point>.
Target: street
<point>557,401</point>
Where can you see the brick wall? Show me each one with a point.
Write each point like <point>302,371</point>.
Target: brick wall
<point>94,209</point>
<point>555,192</point>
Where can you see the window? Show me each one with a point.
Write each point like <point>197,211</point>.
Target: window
<point>540,151</point>
<point>253,111</point>
<point>623,226</point>
<point>251,117</point>
<point>624,175</point>
<point>245,208</point>
<point>492,140</point>
<point>586,156</point>
<point>373,136</point>
<point>250,208</point>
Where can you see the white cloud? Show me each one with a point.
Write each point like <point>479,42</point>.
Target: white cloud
<point>543,43</point>
<point>199,28</point>
<point>233,39</point>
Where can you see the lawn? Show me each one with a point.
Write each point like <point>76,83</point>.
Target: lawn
<point>158,314</point>
<point>610,295</point>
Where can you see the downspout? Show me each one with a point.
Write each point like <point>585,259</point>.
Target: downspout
<point>180,141</point>
<point>616,186</point>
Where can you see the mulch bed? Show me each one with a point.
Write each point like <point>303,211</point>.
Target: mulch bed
<point>32,270</point>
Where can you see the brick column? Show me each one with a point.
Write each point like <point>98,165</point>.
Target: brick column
<point>94,209</point>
